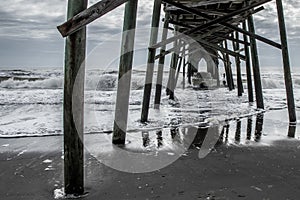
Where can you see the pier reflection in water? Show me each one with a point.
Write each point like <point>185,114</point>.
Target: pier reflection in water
<point>292,130</point>
<point>256,129</point>
<point>155,148</point>
<point>248,130</point>
<point>236,131</point>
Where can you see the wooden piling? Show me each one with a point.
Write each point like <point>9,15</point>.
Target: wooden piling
<point>286,63</point>
<point>173,65</point>
<point>178,71</point>
<point>183,68</point>
<point>75,50</point>
<point>190,72</point>
<point>171,80</point>
<point>125,68</point>
<point>151,60</point>
<point>255,66</point>
<point>161,63</point>
<point>248,65</point>
<point>226,70</point>
<point>236,47</point>
<point>230,77</point>
<point>216,61</point>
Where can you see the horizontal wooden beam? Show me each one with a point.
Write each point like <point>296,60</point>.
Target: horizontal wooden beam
<point>180,24</point>
<point>87,16</point>
<point>209,23</point>
<point>173,49</point>
<point>216,47</point>
<point>230,38</point>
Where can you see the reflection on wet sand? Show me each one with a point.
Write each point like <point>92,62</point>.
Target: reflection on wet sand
<point>292,131</point>
<point>146,139</point>
<point>249,127</point>
<point>259,126</point>
<point>159,138</point>
<point>206,138</point>
<point>238,131</point>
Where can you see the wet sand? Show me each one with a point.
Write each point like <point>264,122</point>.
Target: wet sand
<point>32,168</point>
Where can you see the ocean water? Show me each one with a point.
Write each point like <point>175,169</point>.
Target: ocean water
<point>31,101</point>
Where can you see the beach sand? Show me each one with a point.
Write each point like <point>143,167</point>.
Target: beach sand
<point>32,168</point>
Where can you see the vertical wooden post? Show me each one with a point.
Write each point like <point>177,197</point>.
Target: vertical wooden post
<point>248,66</point>
<point>216,62</point>
<point>178,70</point>
<point>171,81</point>
<point>286,63</point>
<point>183,68</point>
<point>173,65</point>
<point>161,63</point>
<point>151,60</point>
<point>73,134</point>
<point>226,69</point>
<point>230,77</point>
<point>255,66</point>
<point>125,67</point>
<point>218,77</point>
<point>236,47</point>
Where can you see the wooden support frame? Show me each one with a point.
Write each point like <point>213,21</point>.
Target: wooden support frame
<point>199,13</point>
<point>86,16</point>
<point>125,68</point>
<point>232,39</point>
<point>209,23</point>
<point>205,43</point>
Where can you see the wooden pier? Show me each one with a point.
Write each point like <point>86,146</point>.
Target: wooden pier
<point>212,24</point>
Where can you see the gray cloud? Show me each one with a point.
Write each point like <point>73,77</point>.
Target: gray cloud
<point>32,25</point>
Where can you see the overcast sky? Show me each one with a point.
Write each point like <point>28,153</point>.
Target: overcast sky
<point>28,34</point>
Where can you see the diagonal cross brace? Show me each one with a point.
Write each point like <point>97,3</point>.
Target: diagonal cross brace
<point>87,16</point>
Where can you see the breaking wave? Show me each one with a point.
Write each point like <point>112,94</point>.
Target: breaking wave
<point>104,82</point>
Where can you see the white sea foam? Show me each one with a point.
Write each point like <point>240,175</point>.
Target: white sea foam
<point>34,108</point>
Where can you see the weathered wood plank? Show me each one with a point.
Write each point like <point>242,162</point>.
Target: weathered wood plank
<point>85,17</point>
